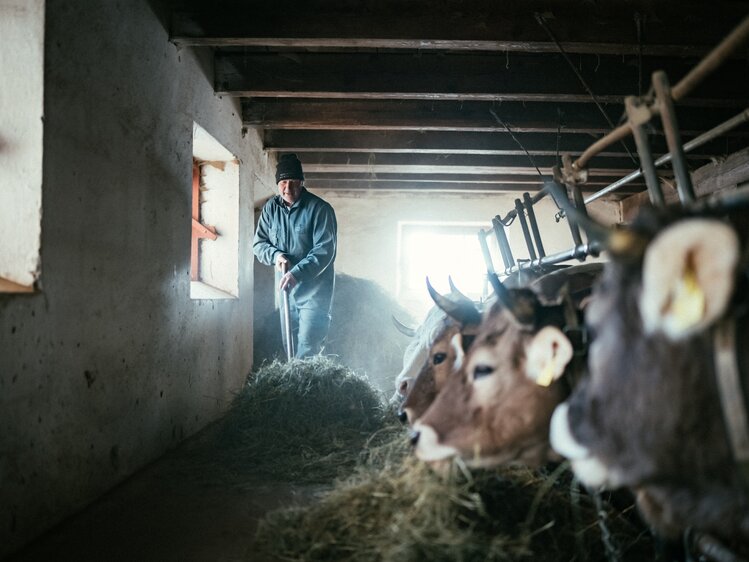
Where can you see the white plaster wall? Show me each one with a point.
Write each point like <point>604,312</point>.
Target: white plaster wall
<point>21,112</point>
<point>368,225</point>
<point>112,363</point>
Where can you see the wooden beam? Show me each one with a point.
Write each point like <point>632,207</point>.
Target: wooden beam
<point>470,76</point>
<point>7,286</point>
<point>711,178</point>
<point>432,186</point>
<point>684,29</point>
<point>405,115</point>
<point>443,142</point>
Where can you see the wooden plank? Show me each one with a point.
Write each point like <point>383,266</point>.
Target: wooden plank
<point>7,286</point>
<point>411,115</point>
<point>671,28</point>
<point>442,142</point>
<point>469,76</point>
<point>711,178</point>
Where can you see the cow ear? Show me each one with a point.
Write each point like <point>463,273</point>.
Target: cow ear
<point>688,277</point>
<point>547,355</point>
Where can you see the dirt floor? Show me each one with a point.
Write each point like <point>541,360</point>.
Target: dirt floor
<point>164,513</point>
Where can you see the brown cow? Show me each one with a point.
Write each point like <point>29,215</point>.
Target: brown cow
<point>649,416</point>
<point>496,408</point>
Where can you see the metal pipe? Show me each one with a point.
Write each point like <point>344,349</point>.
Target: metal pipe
<point>287,319</point>
<point>504,244</point>
<point>673,137</point>
<point>524,227</point>
<point>592,248</point>
<point>534,224</point>
<point>636,116</point>
<point>696,142</point>
<point>709,63</point>
<point>713,60</point>
<point>485,252</point>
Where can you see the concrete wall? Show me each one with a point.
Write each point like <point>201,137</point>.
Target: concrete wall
<point>111,363</point>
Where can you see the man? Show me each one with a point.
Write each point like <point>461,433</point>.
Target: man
<point>297,231</point>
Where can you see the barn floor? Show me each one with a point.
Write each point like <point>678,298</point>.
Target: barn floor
<point>164,513</point>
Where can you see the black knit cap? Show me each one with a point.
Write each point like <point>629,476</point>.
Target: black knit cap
<point>289,168</point>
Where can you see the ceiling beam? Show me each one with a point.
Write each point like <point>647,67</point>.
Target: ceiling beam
<point>469,76</point>
<point>404,115</point>
<point>498,143</point>
<point>476,25</point>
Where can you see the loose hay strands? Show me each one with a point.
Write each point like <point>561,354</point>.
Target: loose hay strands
<point>303,421</point>
<point>409,512</point>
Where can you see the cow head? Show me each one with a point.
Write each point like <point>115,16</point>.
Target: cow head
<point>496,408</point>
<point>441,355</point>
<point>648,416</point>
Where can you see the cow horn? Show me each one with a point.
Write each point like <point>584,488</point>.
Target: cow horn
<point>464,312</point>
<point>503,294</point>
<point>403,329</point>
<point>454,291</point>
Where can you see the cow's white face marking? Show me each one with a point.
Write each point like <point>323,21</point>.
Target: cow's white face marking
<point>587,467</point>
<point>428,447</point>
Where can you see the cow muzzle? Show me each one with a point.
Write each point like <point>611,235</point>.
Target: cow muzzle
<point>427,445</point>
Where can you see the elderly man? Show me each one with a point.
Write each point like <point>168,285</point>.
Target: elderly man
<point>297,232</point>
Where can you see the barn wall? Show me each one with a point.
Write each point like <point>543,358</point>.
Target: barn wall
<point>368,225</point>
<point>110,363</point>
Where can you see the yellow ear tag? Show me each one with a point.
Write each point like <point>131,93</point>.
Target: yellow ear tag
<point>547,375</point>
<point>688,303</point>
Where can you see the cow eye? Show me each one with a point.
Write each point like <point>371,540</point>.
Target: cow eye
<point>482,371</point>
<point>439,358</point>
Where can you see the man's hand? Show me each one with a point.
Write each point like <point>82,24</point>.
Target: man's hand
<point>281,260</point>
<point>288,282</point>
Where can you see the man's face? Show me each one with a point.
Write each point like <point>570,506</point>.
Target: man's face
<point>290,190</point>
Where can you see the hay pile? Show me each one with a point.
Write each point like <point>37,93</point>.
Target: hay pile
<point>362,335</point>
<point>303,421</point>
<point>407,512</point>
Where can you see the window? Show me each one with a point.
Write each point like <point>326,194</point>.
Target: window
<point>22,61</point>
<point>214,264</point>
<point>439,250</point>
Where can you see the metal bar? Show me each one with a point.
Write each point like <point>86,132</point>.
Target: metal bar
<point>696,142</point>
<point>485,252</point>
<point>287,320</point>
<point>504,244</point>
<point>576,252</point>
<point>524,226</point>
<point>709,63</point>
<point>638,113</point>
<point>673,137</point>
<point>713,60</point>
<point>540,194</point>
<point>534,224</point>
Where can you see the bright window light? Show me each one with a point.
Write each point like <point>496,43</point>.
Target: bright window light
<point>439,251</point>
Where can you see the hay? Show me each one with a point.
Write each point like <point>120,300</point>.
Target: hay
<point>305,421</point>
<point>362,336</point>
<point>407,512</point>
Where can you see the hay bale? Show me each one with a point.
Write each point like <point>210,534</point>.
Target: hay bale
<point>305,421</point>
<point>362,335</point>
<point>407,512</point>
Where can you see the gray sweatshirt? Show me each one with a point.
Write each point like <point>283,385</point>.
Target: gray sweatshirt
<point>306,233</point>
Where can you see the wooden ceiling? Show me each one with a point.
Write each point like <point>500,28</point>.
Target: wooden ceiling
<point>473,95</point>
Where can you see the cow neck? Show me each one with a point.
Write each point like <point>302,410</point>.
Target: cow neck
<point>733,398</point>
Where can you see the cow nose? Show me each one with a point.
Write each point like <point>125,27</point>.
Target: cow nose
<point>414,436</point>
<point>402,416</point>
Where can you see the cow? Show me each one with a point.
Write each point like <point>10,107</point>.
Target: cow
<point>461,317</point>
<point>648,416</point>
<point>546,283</point>
<point>496,408</point>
